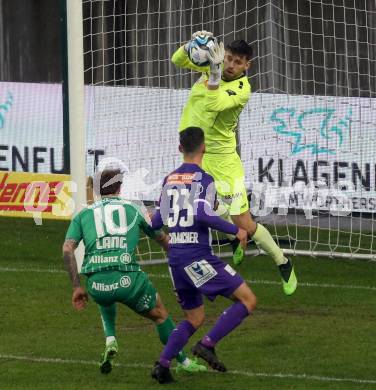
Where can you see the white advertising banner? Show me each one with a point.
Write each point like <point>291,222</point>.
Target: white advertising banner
<point>306,152</point>
<point>311,152</point>
<point>139,127</point>
<point>31,127</point>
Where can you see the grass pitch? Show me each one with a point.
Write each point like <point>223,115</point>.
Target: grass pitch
<point>322,337</point>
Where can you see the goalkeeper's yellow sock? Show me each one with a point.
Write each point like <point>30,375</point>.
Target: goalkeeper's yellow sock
<point>264,240</point>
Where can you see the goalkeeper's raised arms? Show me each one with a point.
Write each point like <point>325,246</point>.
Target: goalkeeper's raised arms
<point>216,56</point>
<point>201,33</point>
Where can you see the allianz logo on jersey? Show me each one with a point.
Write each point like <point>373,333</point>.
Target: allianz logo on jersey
<point>105,287</point>
<point>125,282</point>
<point>124,258</point>
<point>99,259</point>
<point>183,238</point>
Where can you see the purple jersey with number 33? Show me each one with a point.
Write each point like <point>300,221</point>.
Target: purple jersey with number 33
<point>186,207</point>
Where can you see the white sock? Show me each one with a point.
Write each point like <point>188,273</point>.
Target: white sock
<point>186,362</point>
<point>110,339</point>
<point>284,261</point>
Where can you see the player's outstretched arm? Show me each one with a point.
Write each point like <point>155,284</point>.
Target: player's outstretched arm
<point>222,98</point>
<point>216,56</point>
<point>242,236</point>
<point>80,296</point>
<point>206,215</point>
<point>162,239</point>
<point>152,229</point>
<point>156,219</point>
<point>181,60</point>
<point>217,223</point>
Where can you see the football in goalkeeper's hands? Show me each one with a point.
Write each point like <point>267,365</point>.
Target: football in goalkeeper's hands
<point>198,49</point>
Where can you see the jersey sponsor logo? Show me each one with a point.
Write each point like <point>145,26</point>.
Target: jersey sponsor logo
<point>125,281</point>
<point>99,259</point>
<point>183,238</point>
<point>200,272</point>
<point>144,303</point>
<point>111,242</point>
<point>125,258</point>
<point>180,178</point>
<point>228,199</point>
<point>230,93</point>
<point>230,270</point>
<point>104,287</point>
<point>233,196</point>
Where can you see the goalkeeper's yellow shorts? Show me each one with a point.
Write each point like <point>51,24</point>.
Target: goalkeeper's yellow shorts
<point>228,173</point>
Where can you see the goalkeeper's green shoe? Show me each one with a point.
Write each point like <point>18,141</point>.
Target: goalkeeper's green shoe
<point>289,280</point>
<point>192,367</point>
<point>237,252</point>
<point>107,356</point>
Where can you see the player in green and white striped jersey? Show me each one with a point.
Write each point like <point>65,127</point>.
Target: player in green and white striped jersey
<point>110,230</point>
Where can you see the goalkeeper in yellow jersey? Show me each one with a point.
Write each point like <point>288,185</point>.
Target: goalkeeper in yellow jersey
<point>214,104</point>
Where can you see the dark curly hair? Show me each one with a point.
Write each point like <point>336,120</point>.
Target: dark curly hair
<point>241,48</point>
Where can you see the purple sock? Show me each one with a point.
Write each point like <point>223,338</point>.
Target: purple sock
<point>228,321</point>
<point>176,341</point>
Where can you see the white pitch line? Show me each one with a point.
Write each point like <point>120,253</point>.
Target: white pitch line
<point>66,361</point>
<point>300,284</point>
<point>251,374</point>
<point>320,285</point>
<point>302,376</point>
<point>38,270</point>
<point>167,276</point>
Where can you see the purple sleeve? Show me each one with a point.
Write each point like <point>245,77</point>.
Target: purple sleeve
<point>206,216</point>
<point>209,193</point>
<point>156,221</point>
<point>158,203</point>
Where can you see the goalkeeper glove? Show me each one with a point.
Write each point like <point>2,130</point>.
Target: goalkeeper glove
<point>216,56</point>
<point>202,33</point>
<point>205,33</point>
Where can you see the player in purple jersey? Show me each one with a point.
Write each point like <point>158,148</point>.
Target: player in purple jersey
<point>187,207</point>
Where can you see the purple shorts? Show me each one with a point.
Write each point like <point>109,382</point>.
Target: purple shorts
<point>210,277</point>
